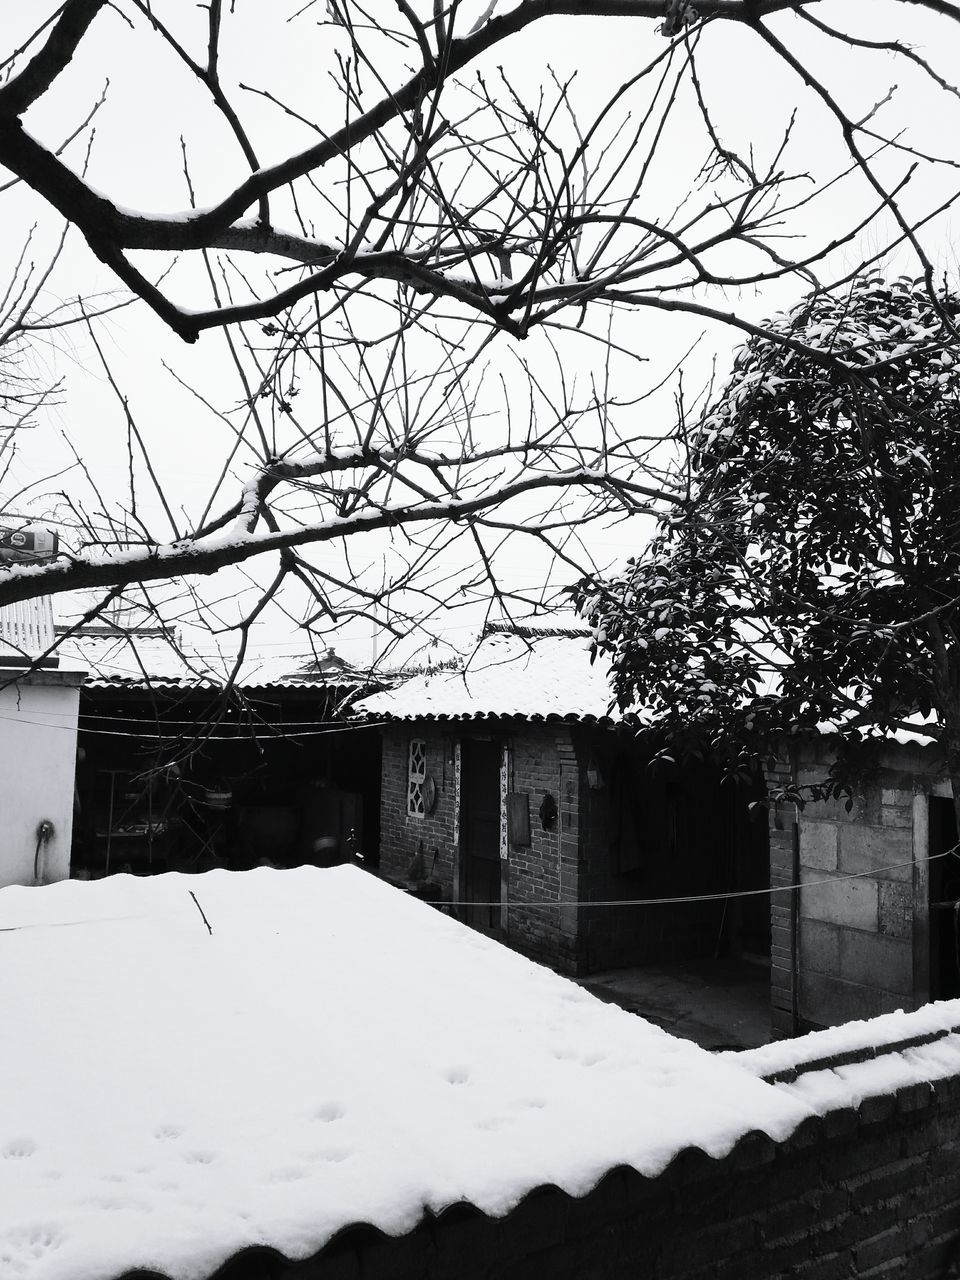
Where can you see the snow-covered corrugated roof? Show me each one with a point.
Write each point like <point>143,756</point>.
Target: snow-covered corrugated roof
<point>522,673</point>
<point>172,1096</point>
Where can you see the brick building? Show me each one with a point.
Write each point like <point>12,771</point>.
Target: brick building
<point>514,791</point>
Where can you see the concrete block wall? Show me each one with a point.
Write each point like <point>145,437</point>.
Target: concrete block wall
<point>856,935</point>
<point>846,948</point>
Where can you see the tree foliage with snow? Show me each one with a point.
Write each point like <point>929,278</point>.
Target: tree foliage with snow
<point>812,576</point>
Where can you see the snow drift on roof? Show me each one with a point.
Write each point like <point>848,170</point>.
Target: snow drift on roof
<point>335,1052</point>
<point>522,675</point>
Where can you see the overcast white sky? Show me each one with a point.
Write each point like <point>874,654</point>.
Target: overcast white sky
<point>136,159</point>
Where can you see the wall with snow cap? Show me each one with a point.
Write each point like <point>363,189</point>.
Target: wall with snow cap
<point>38,754</point>
<point>867,1186</point>
<point>854,942</point>
<point>311,1061</point>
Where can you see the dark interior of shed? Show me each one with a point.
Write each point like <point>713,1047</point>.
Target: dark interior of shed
<point>163,786</point>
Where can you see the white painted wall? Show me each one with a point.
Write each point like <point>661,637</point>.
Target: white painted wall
<point>38,755</point>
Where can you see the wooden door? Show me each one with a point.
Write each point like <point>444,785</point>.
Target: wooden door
<point>480,832</point>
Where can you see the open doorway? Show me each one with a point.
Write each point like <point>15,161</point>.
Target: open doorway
<point>697,845</point>
<point>746,831</point>
<point>944,882</point>
<point>480,832</point>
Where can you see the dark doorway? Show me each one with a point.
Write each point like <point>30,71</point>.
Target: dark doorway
<point>480,832</point>
<point>944,903</point>
<point>696,841</point>
<point>748,833</point>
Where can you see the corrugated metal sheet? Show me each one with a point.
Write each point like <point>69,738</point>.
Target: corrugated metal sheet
<point>27,627</point>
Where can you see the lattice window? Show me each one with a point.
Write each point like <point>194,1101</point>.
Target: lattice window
<point>416,776</point>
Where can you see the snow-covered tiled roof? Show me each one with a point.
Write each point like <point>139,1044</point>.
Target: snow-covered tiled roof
<point>121,657</point>
<point>921,730</point>
<point>524,673</point>
<point>173,1095</point>
<point>144,654</point>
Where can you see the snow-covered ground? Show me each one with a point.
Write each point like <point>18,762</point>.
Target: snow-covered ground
<point>335,1052</point>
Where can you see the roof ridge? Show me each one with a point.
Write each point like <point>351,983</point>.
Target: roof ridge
<point>526,632</point>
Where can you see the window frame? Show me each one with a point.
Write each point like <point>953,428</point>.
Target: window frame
<point>416,777</point>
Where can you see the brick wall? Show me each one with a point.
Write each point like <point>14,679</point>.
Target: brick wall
<point>542,761</point>
<point>547,886</point>
<point>402,834</point>
<point>871,1192</point>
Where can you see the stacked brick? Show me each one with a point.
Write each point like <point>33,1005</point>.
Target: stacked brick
<point>543,878</point>
<point>403,835</point>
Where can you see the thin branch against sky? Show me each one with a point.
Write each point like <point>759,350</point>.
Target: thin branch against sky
<point>426,259</point>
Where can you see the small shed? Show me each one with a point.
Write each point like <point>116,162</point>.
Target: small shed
<point>513,791</point>
<point>181,768</point>
<point>39,699</point>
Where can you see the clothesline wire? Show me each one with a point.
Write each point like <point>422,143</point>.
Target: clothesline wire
<point>630,902</point>
<point>150,730</point>
<point>700,897</point>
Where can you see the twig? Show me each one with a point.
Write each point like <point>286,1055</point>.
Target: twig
<point>200,909</point>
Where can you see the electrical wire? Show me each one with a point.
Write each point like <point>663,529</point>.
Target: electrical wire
<point>243,718</point>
